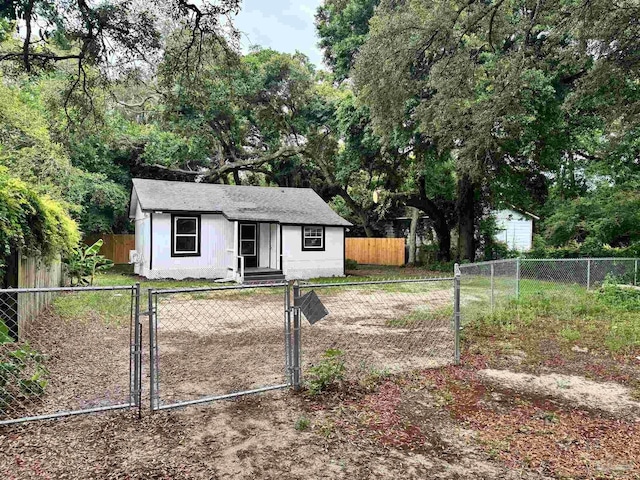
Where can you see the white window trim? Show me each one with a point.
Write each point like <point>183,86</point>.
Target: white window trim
<point>305,236</point>
<point>196,235</point>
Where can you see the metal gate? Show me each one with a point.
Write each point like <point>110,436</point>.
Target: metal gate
<point>379,326</point>
<point>68,351</point>
<point>217,343</point>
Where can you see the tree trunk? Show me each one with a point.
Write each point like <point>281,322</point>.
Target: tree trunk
<point>444,240</point>
<point>466,219</point>
<point>413,230</point>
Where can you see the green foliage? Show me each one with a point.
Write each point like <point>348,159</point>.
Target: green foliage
<point>588,248</point>
<point>302,424</point>
<point>327,373</point>
<point>83,263</point>
<point>621,298</point>
<point>606,320</point>
<point>351,264</point>
<point>607,215</point>
<point>35,224</point>
<point>23,374</point>
<point>342,27</point>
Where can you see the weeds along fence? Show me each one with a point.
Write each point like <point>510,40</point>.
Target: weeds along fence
<point>76,354</point>
<point>485,286</point>
<point>209,344</point>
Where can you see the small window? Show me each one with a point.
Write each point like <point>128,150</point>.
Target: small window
<point>186,236</point>
<point>312,238</point>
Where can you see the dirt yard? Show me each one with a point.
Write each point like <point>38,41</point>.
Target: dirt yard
<point>448,423</point>
<point>536,409</point>
<point>220,342</point>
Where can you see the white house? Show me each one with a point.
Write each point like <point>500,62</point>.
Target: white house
<point>515,228</point>
<point>241,233</point>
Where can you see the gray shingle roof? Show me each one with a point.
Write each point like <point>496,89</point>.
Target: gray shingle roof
<point>274,204</point>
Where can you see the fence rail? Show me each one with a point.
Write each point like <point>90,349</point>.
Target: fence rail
<point>375,251</point>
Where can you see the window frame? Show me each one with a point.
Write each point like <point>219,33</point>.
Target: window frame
<point>322,238</point>
<point>174,218</point>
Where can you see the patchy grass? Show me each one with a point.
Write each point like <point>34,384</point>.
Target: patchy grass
<point>606,321</point>
<point>111,307</point>
<point>570,330</point>
<point>422,314</point>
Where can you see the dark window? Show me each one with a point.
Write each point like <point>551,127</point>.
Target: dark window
<point>186,236</point>
<point>312,238</point>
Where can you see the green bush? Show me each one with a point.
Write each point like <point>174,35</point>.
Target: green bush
<point>22,370</point>
<point>84,262</point>
<point>351,264</point>
<point>329,371</point>
<point>34,224</point>
<point>303,423</point>
<point>588,248</point>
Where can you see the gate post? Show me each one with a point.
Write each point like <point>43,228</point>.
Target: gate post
<point>456,312</point>
<point>153,350</point>
<point>287,333</point>
<point>136,391</point>
<point>295,353</point>
<point>518,277</point>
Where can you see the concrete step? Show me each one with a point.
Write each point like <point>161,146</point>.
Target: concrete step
<point>258,279</point>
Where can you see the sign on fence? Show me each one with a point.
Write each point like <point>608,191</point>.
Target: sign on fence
<point>312,308</point>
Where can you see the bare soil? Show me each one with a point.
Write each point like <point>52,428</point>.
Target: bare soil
<point>488,419</point>
<point>253,437</point>
<point>221,344</point>
<point>609,397</point>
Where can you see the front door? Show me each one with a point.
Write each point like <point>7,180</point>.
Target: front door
<point>249,244</point>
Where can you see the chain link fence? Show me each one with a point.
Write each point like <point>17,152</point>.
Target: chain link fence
<point>381,326</point>
<point>214,343</point>
<point>486,286</point>
<point>66,351</point>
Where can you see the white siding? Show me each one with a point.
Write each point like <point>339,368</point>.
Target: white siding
<point>515,229</point>
<point>216,239</point>
<point>142,224</point>
<point>299,264</point>
<point>263,245</point>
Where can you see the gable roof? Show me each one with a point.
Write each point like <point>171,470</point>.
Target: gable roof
<point>236,202</point>
<point>513,208</point>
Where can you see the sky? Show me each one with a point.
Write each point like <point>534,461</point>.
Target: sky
<point>283,25</point>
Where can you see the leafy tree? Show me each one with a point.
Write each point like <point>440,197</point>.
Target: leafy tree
<point>496,83</point>
<point>342,26</point>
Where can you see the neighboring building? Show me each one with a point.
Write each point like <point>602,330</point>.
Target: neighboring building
<point>241,233</point>
<point>515,228</point>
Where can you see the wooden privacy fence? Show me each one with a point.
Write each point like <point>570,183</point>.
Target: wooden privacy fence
<point>17,309</point>
<point>115,247</point>
<point>376,251</point>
